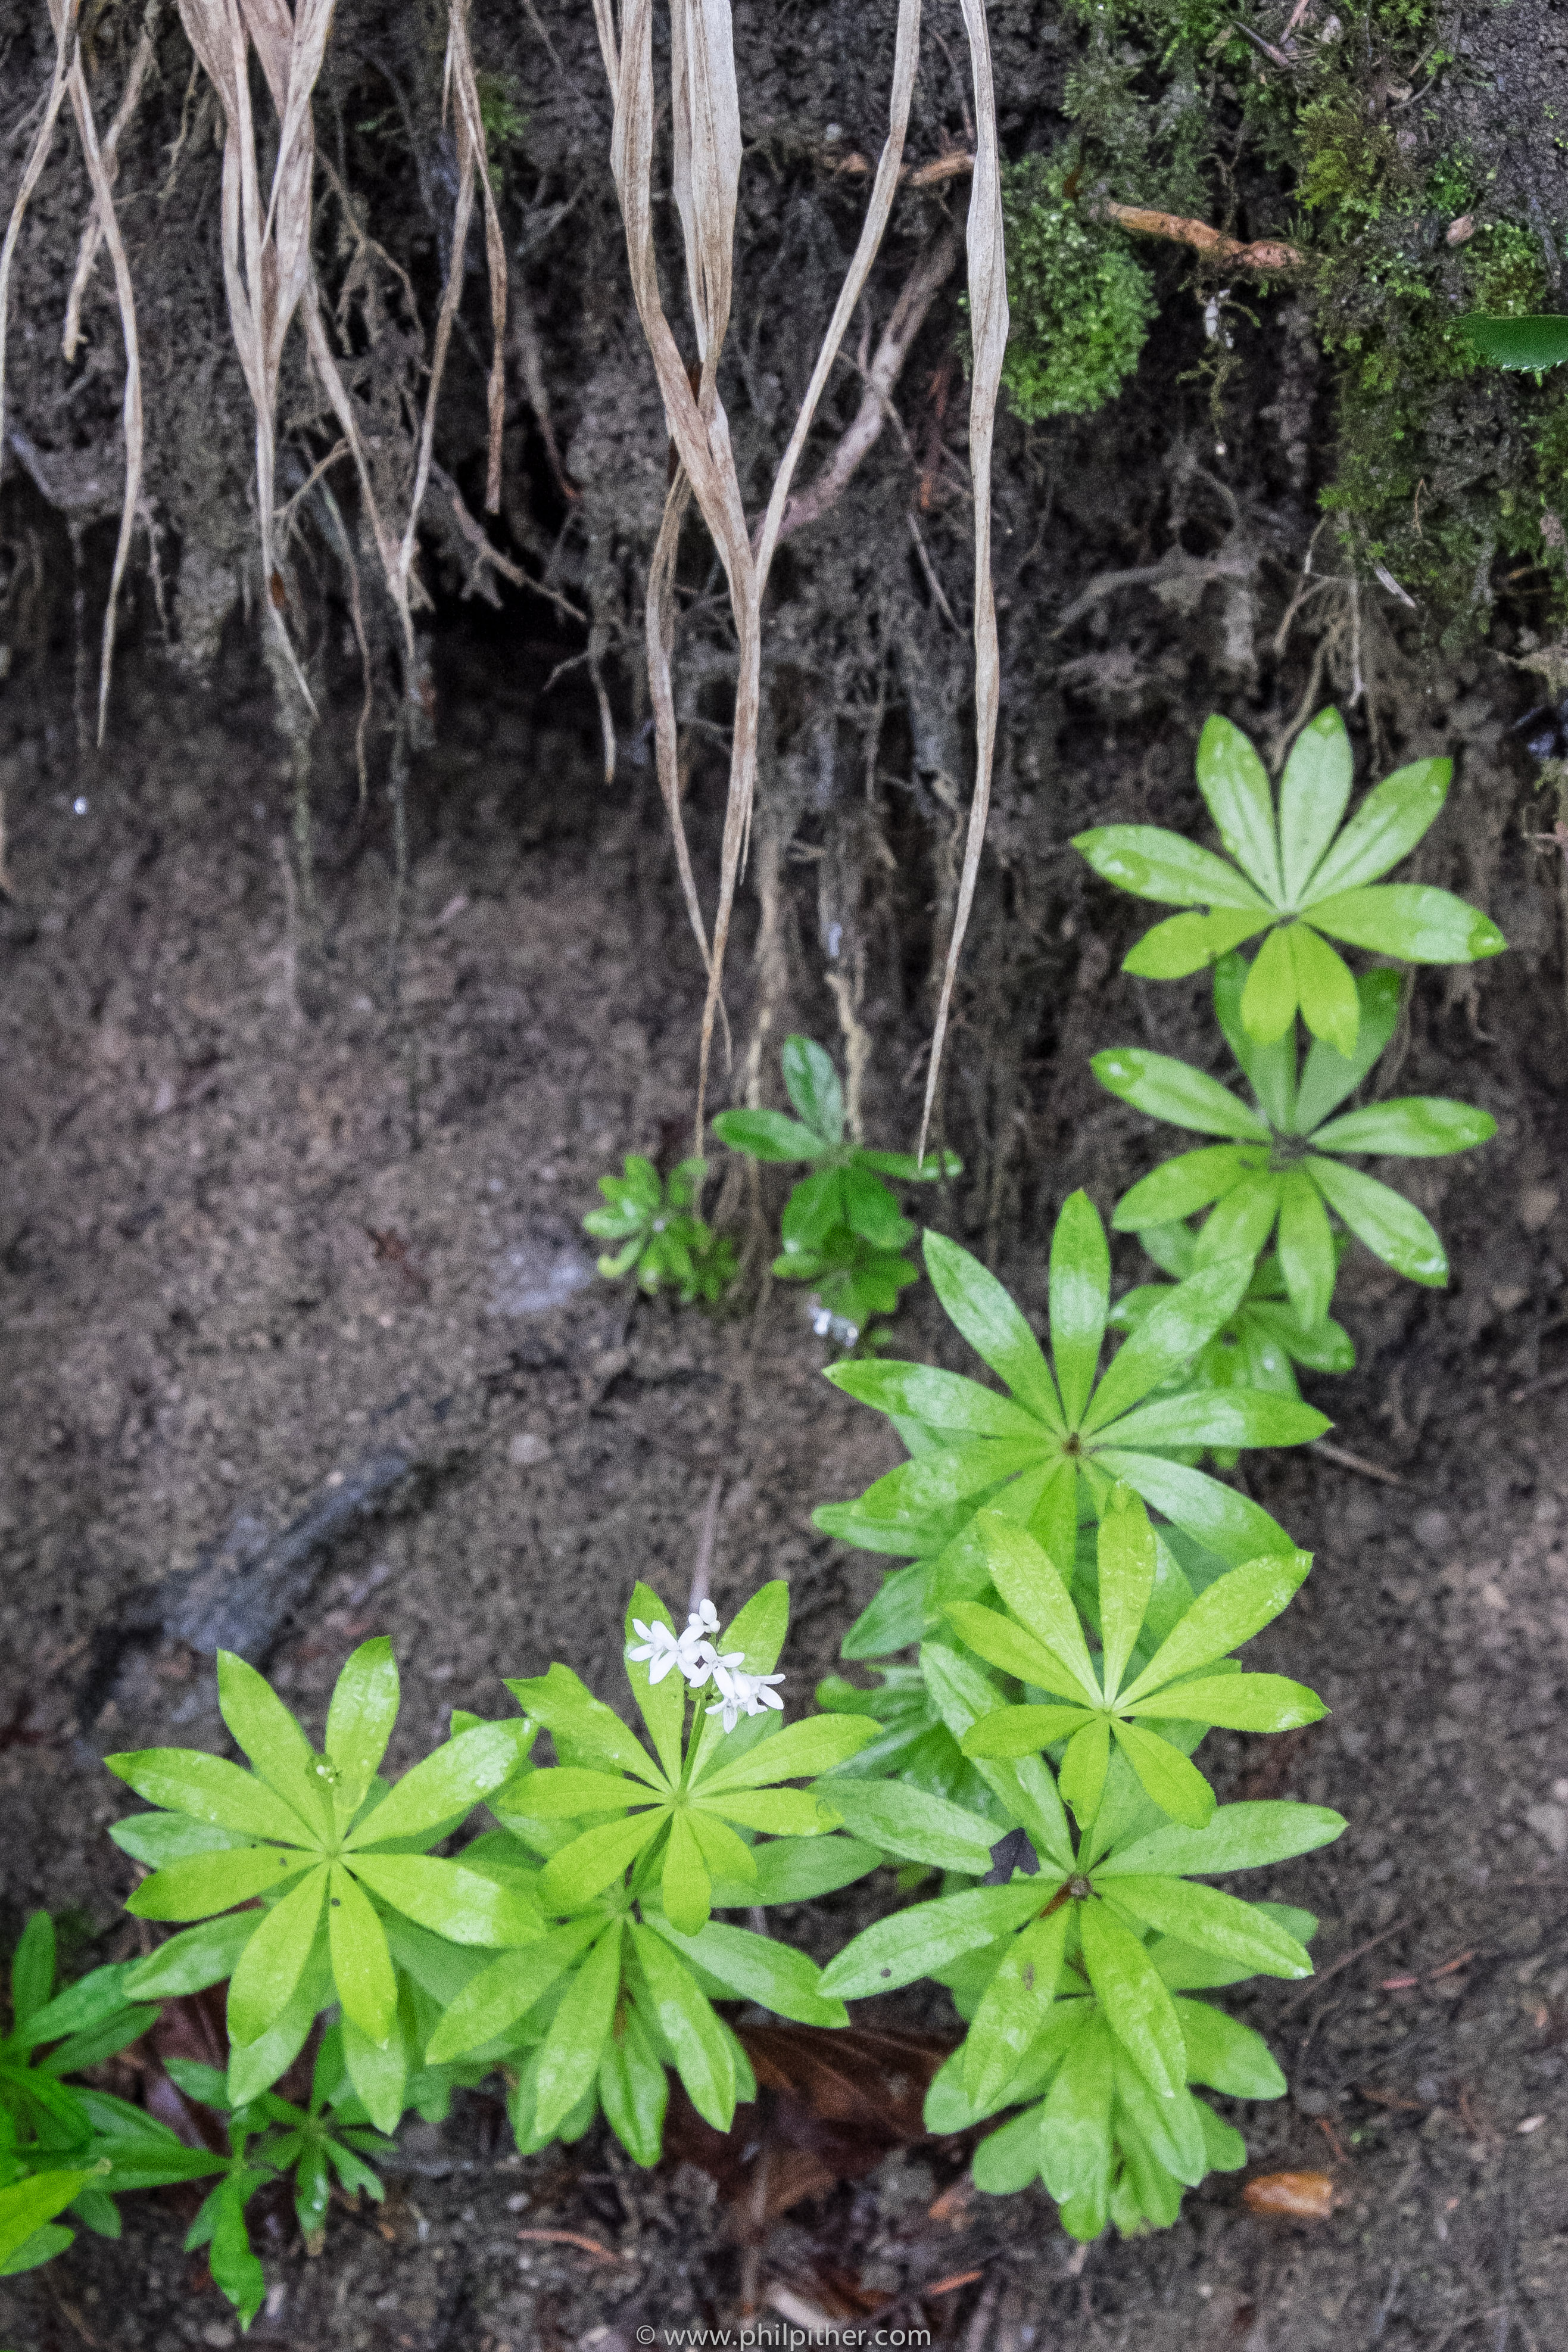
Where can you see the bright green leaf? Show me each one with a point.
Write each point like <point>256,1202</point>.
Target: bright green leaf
<point>1235,784</point>
<point>1174,1090</point>
<point>569,2062</point>
<point>1080,1293</point>
<point>1392,1227</point>
<point>466,1906</point>
<point>263,1726</point>
<point>274,1960</point>
<point>361,1964</point>
<point>1386,826</point>
<point>1270,998</point>
<point>1166,867</point>
<point>1137,2007</point>
<point>210,1789</point>
<point>1314,792</point>
<point>215,1882</point>
<point>1409,919</point>
<point>977,1302</point>
<point>360,1723</point>
<point>1229,1613</point>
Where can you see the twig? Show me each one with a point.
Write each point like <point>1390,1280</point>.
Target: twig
<point>573,2238</point>
<point>1265,254</point>
<point>1349,1460</point>
<point>1358,1952</point>
<point>909,316</point>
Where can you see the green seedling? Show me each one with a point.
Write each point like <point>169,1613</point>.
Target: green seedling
<point>1283,1166</point>
<point>842,1229</point>
<point>639,1849</point>
<point>1073,1976</point>
<point>661,1238</point>
<point>331,1852</point>
<point>1297,876</point>
<point>1050,1450</point>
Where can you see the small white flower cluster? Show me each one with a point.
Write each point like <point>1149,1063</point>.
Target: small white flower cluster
<point>694,1654</point>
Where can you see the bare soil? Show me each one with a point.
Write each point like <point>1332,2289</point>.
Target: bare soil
<point>273,1213</point>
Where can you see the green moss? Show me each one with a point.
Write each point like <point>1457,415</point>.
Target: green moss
<point>1080,304</point>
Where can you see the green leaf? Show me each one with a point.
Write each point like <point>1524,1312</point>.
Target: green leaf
<point>582,1869</point>
<point>1325,988</point>
<point>1239,1837</point>
<point>894,1620</point>
<point>813,1213</point>
<point>1010,2159</point>
<point>685,1888</point>
<point>561,1793</point>
<point>755,1967</point>
<point>1084,1762</point>
<point>1187,943</point>
<point>759,1629</point>
<point>1011,1731</point>
<point>30,2204</point>
<point>799,1870</point>
<point>1314,792</point>
<point>490,2004</point>
<point>1002,1643</point>
<point>1183,1322</point>
<point>1013,2009</point>
<point>1307,1257</point>
<point>904,1164</point>
<point>158,1838</point>
<point>704,2052</point>
<point>1184,1185</point>
<point>1240,1225</point>
<point>1228,2056</point>
<point>1386,826</point>
<point>913,1824</point>
<point>1027,1789</point>
<point>32,1968</point>
<point>812,1084</point>
<point>564,1704</point>
<point>1409,919</point>
<point>263,1726</point>
<point>466,1906</point>
<point>1080,1292</point>
<point>1174,1090</point>
<point>458,1776</point>
<point>211,1790</point>
<point>1328,1076</point>
<point>378,2073</point>
<point>1137,2007</point>
<point>580,2029</point>
<point>727,1857</point>
<point>1223,1417</point>
<point>939,1401</point>
<point>1270,998</point>
<point>1075,2131</point>
<point>918,1942</point>
<point>1392,1227</point>
<point>1534,344</point>
<point>1128,1564</point>
<point>1229,1613</point>
<point>1270,1070</point>
<point>871,1211</point>
<point>1161,2141</point>
<point>1219,1519</point>
<point>215,1882</point>
<point>1237,1703</point>
<point>1214,1921</point>
<point>768,1135</point>
<point>635,2090</point>
<point>274,1959</point>
<point>1030,1583</point>
<point>257,2065</point>
<point>189,1963</point>
<point>1235,784</point>
<point>803,1749</point>
<point>360,1723</point>
<point>662,1703</point>
<point>1418,1126</point>
<point>1166,867</point>
<point>361,1964</point>
<point>976,1301</point>
<point>783,1812</point>
<point>1176,1786</point>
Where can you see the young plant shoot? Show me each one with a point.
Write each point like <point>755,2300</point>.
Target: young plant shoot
<point>663,1241</point>
<point>1297,876</point>
<point>1283,1166</point>
<point>842,1229</point>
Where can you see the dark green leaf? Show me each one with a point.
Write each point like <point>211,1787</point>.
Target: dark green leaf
<point>917,1942</point>
<point>768,1135</point>
<point>704,2052</point>
<point>811,1083</point>
<point>913,1824</point>
<point>1214,1921</point>
<point>569,2062</point>
<point>1534,344</point>
<point>755,1967</point>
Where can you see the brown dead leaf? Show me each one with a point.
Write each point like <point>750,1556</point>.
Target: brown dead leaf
<point>1300,2196</point>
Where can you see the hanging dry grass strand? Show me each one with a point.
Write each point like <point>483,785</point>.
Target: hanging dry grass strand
<point>32,172</point>
<point>99,178</point>
<point>265,249</point>
<point>706,119</point>
<point>93,234</point>
<point>989,321</point>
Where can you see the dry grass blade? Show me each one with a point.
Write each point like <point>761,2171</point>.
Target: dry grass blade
<point>463,84</point>
<point>988,313</point>
<point>92,235</point>
<point>32,172</point>
<point>131,411</point>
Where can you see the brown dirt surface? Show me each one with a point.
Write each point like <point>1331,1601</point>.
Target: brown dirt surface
<point>232,1280</point>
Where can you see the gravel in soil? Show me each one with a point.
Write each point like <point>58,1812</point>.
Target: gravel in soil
<point>232,1283</point>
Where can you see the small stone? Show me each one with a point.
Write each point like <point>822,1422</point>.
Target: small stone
<point>1312,2103</point>
<point>1537,1206</point>
<point>1550,1823</point>
<point>1508,1297</point>
<point>1430,1529</point>
<point>526,1447</point>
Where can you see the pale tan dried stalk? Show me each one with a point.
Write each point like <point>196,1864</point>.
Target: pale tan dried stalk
<point>32,172</point>
<point>92,235</point>
<point>125,295</point>
<point>988,319</point>
<point>706,138</point>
